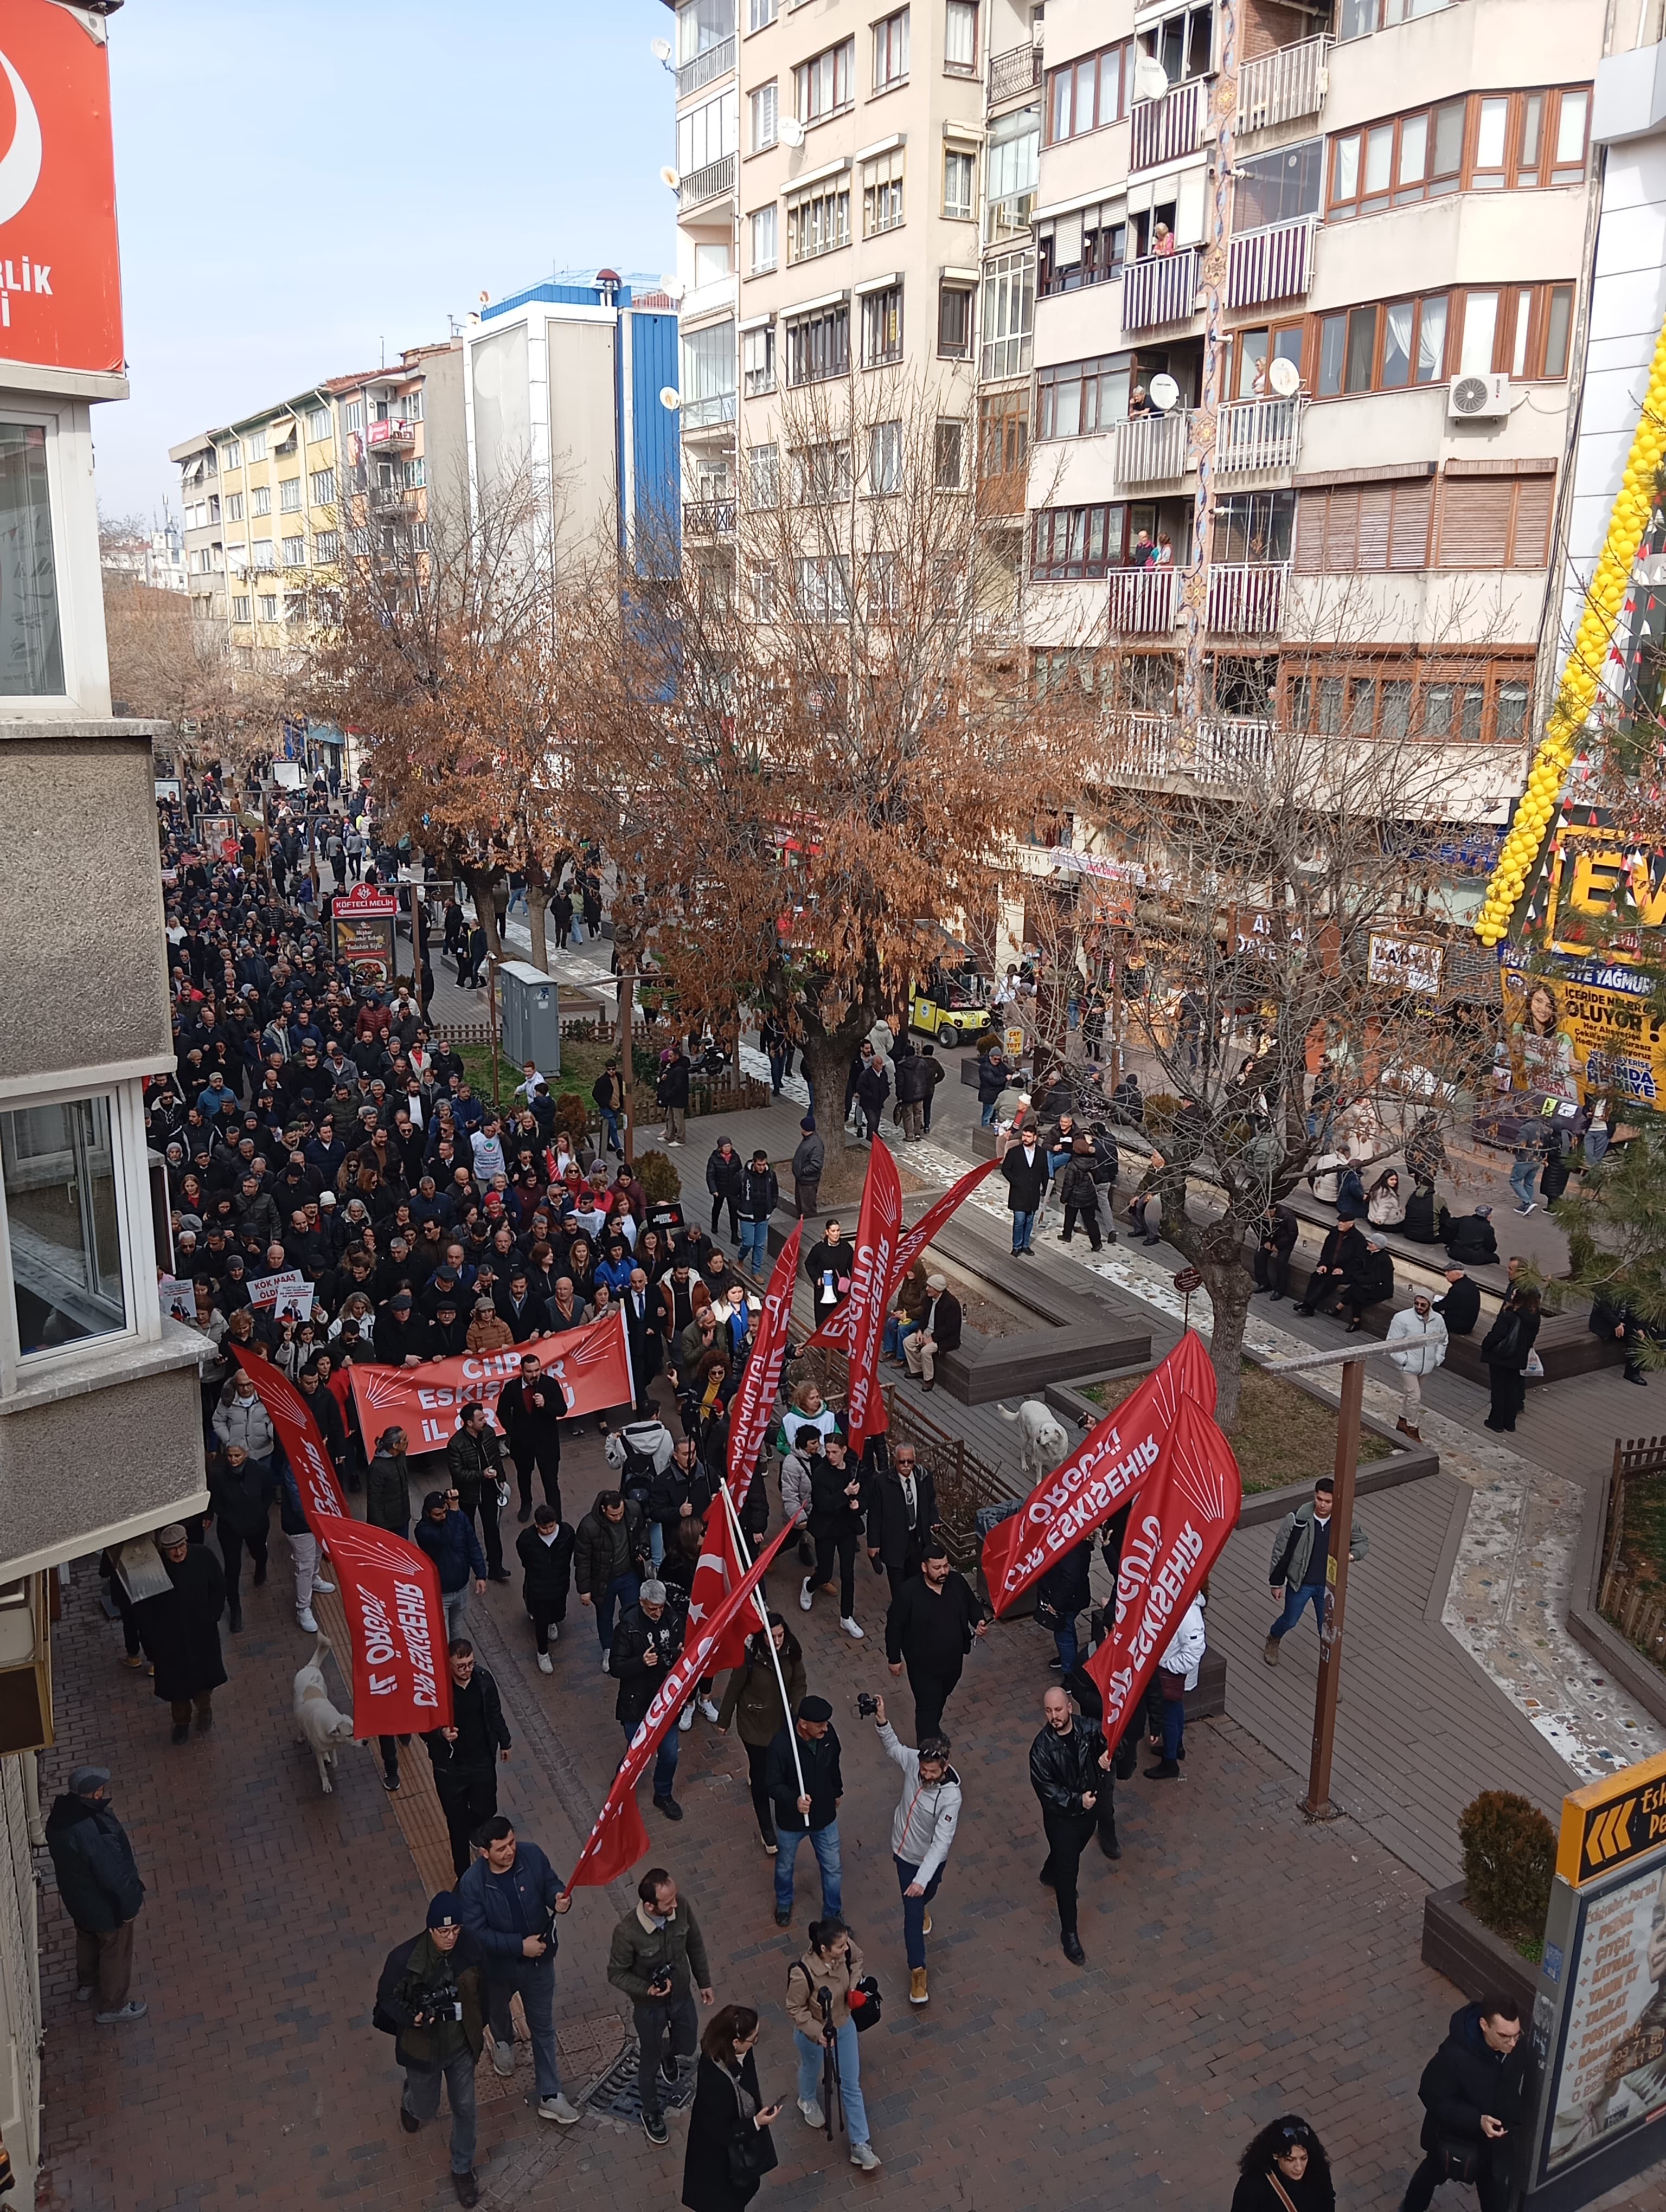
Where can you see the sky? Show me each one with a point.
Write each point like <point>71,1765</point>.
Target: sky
<point>298,184</point>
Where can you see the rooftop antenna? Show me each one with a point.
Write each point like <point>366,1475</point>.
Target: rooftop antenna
<point>383,343</point>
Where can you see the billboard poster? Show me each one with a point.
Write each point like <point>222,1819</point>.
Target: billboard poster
<point>1406,964</point>
<point>363,924</point>
<point>1610,2072</point>
<point>1583,1031</point>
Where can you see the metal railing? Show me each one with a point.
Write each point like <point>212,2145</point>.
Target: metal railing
<point>1272,263</point>
<point>1155,745</point>
<point>707,184</point>
<point>1164,129</point>
<point>1152,449</point>
<point>1259,433</point>
<point>705,69</point>
<point>1160,289</point>
<point>1017,70</point>
<point>709,518</point>
<point>1280,86</point>
<point>393,435</point>
<point>1246,598</point>
<point>1142,602</point>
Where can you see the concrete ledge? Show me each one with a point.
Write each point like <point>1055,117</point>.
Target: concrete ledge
<point>1471,1957</point>
<point>1587,1626</point>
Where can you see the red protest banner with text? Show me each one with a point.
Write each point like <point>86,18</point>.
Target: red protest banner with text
<point>835,1329</point>
<point>303,1443</point>
<point>1187,1510</point>
<point>1101,1474</point>
<point>878,1227</point>
<point>592,1366</point>
<point>755,1400</point>
<point>618,1839</point>
<point>390,1592</point>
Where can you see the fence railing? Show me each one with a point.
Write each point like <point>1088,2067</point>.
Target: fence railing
<point>705,69</point>
<point>1231,753</point>
<point>1152,449</point>
<point>1246,599</point>
<point>1272,263</point>
<point>707,184</point>
<point>1281,86</point>
<point>1259,433</point>
<point>1162,288</point>
<point>1165,130</point>
<point>963,1480</point>
<point>1142,601</point>
<point>1018,70</point>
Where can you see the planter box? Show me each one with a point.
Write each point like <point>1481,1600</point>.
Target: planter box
<point>1472,1957</point>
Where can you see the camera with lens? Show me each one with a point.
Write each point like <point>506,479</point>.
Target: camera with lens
<point>866,1706</point>
<point>661,1985</point>
<point>441,2001</point>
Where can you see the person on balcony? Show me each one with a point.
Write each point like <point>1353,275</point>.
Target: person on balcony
<point>1162,239</point>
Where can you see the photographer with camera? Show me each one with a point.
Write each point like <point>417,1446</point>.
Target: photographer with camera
<point>824,1996</point>
<point>655,1948</point>
<point>921,1830</point>
<point>430,1999</point>
<point>510,1898</point>
<point>647,1644</point>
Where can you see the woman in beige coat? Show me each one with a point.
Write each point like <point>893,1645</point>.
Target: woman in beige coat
<point>832,1964</point>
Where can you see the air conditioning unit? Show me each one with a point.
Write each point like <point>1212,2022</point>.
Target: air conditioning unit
<point>1477,399</point>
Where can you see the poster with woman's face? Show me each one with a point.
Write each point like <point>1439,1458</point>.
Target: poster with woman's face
<point>1612,2076</point>
<point>1542,1055</point>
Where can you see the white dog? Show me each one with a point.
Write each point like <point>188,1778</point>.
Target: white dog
<point>320,1724</point>
<point>1046,1440</point>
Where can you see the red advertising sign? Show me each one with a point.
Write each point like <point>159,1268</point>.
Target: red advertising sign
<point>304,1448</point>
<point>878,1228</point>
<point>755,1400</point>
<point>60,271</point>
<point>1187,1510</point>
<point>592,1366</point>
<point>391,1590</point>
<point>362,925</point>
<point>1105,1470</point>
<point>835,1329</point>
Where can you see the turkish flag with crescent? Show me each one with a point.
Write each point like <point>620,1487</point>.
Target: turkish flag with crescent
<point>1101,1474</point>
<point>390,1592</point>
<point>1187,1509</point>
<point>303,1443</point>
<point>718,1569</point>
<point>755,1400</point>
<point>878,1227</point>
<point>618,1839</point>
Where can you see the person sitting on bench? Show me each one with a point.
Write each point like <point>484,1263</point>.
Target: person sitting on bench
<point>1339,1257</point>
<point>1367,1283</point>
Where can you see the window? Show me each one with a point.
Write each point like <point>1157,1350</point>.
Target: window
<point>764,591</point>
<point>890,51</point>
<point>706,134</point>
<point>954,321</point>
<point>260,500</point>
<point>760,14</point>
<point>765,116</point>
<point>960,38</point>
<point>882,326</point>
<point>234,506</point>
<point>823,588</point>
<point>1003,433</point>
<point>255,446</point>
<point>326,547</point>
<point>818,345</point>
<point>821,473</point>
<point>882,193</point>
<point>1516,330</point>
<point>702,25</point>
<point>1361,17</point>
<point>288,494</point>
<point>1073,542</point>
<point>949,456</point>
<point>411,407</point>
<point>959,184</point>
<point>711,264</point>
<point>1523,140</point>
<point>1412,346</point>
<point>757,361</point>
<point>1009,316</point>
<point>763,231</point>
<point>1089,94</point>
<point>820,224</point>
<point>239,608</point>
<point>318,425</point>
<point>1360,529</point>
<point>1494,521</point>
<point>709,375</point>
<point>763,476</point>
<point>322,487</point>
<point>1182,43</point>
<point>31,641</point>
<point>1254,527</point>
<point>825,85</point>
<point>1279,187</point>
<point>63,1213</point>
<point>268,606</point>
<point>885,459</point>
<point>294,552</point>
<point>1080,399</point>
<point>231,455</point>
<point>1014,160</point>
<point>884,584</point>
<point>1084,247</point>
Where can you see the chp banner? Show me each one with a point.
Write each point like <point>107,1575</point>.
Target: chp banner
<point>303,1443</point>
<point>592,1366</point>
<point>390,1591</point>
<point>755,1400</point>
<point>1187,1510</point>
<point>878,1228</point>
<point>1105,1470</point>
<point>618,1839</point>
<point>835,1329</point>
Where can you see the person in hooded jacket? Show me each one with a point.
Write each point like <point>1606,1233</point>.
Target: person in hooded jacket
<point>921,1830</point>
<point>1474,2094</point>
<point>98,1880</point>
<point>752,1702</point>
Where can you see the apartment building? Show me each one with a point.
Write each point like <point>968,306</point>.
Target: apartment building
<point>400,438</point>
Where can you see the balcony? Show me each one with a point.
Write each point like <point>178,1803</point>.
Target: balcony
<point>705,69</point>
<point>708,412</point>
<point>1252,435</point>
<point>1156,746</point>
<point>388,498</point>
<point>1143,602</point>
<point>1275,263</point>
<point>1017,70</point>
<point>707,184</point>
<point>1160,289</point>
<point>1165,130</point>
<point>1246,599</point>
<point>391,437</point>
<point>709,518</point>
<point>1281,87</point>
<point>1152,448</point>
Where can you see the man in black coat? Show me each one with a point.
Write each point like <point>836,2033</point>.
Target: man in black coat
<point>873,1088</point>
<point>464,1755</point>
<point>810,1750</point>
<point>929,1629</point>
<point>1342,1254</point>
<point>914,1086</point>
<point>1069,1768</point>
<point>902,1512</point>
<point>1367,1283</point>
<point>642,1313</point>
<point>1461,1307</point>
<point>98,1880</point>
<point>1023,1165</point>
<point>531,1409</point>
<point>440,2036</point>
<point>723,1170</point>
<point>1470,1239</point>
<point>647,1644</point>
<point>1474,2094</point>
<point>672,1092</point>
<point>179,1629</point>
<point>938,1332</point>
<point>1275,1241</point>
<point>545,1553</point>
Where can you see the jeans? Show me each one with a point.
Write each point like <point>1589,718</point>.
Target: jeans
<point>1069,1644</point>
<point>824,1841</point>
<point>1174,1728</point>
<point>987,1117</point>
<point>1596,1144</point>
<point>754,1245</point>
<point>662,2021</point>
<point>1522,1174</point>
<point>610,1128</point>
<point>455,1604</point>
<point>1024,1230</point>
<point>656,1542</point>
<point>534,1980</point>
<point>850,2076</point>
<point>620,1592</point>
<point>914,1908</point>
<point>665,1759</point>
<point>777,1070</point>
<point>896,1330</point>
<point>422,2101</point>
<point>757,1765</point>
<point>1294,1600</point>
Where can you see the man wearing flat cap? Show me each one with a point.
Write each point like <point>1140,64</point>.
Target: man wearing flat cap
<point>179,1629</point>
<point>938,1331</point>
<point>803,1778</point>
<point>431,1999</point>
<point>98,1878</point>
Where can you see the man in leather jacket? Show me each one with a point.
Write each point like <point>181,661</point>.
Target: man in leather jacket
<point>1069,1769</point>
<point>440,2035</point>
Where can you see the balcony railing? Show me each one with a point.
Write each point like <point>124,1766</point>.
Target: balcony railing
<point>1164,129</point>
<point>704,413</point>
<point>705,69</point>
<point>1154,745</point>
<point>1160,289</point>
<point>707,184</point>
<point>1152,449</point>
<point>1246,599</point>
<point>709,518</point>
<point>1274,263</point>
<point>1259,433</point>
<point>1017,70</point>
<point>1142,601</point>
<point>391,437</point>
<point>1280,86</point>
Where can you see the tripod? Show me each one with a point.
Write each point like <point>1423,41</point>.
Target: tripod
<point>832,2088</point>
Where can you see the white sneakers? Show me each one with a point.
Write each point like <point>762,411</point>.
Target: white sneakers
<point>850,1627</point>
<point>708,1709</point>
<point>866,2156</point>
<point>305,1621</point>
<point>813,2115</point>
<point>685,1719</point>
<point>607,1668</point>
<point>323,1588</point>
<point>545,1666</point>
<point>804,1595</point>
<point>503,2057</point>
<point>557,2108</point>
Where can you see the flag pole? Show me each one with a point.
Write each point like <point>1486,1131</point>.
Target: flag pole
<point>758,1599</point>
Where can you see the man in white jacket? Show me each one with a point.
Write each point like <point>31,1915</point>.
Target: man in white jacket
<point>1417,1337</point>
<point>921,1830</point>
<point>1177,1673</point>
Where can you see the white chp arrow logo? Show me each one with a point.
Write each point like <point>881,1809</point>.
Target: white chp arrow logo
<point>19,170</point>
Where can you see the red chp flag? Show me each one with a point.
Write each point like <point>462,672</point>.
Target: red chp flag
<point>755,1400</point>
<point>835,1329</point>
<point>591,1365</point>
<point>1105,1469</point>
<point>1187,1510</point>
<point>878,1228</point>
<point>304,1447</point>
<point>618,1839</point>
<point>390,1591</point>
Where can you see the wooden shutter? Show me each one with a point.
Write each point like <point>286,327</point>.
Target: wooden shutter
<point>1408,533</point>
<point>1535,499</point>
<point>1312,515</point>
<point>1342,530</point>
<point>1376,501</point>
<point>1474,521</point>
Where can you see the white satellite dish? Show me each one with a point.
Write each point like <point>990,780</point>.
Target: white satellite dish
<point>1284,377</point>
<point>669,177</point>
<point>1151,79</point>
<point>1163,391</point>
<point>660,50</point>
<point>670,398</point>
<point>792,132</point>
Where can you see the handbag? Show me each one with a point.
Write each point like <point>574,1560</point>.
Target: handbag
<point>1535,1366</point>
<point>745,2158</point>
<point>868,2015</point>
<point>1460,2161</point>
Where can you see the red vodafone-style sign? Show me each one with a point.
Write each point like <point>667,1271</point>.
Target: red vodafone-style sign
<point>60,267</point>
